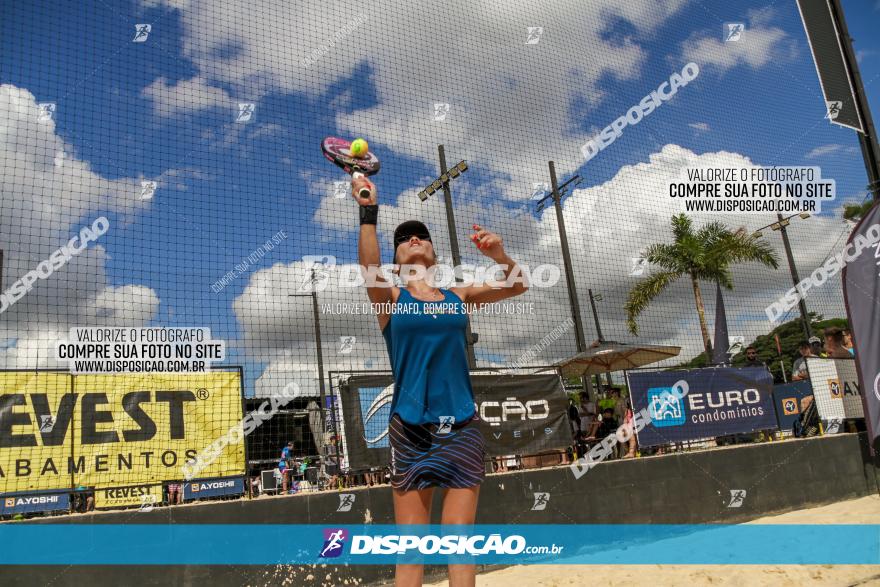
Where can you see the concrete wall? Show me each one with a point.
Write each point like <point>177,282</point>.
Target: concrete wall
<point>671,489</point>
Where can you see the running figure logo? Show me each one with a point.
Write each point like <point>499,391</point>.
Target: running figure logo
<point>47,111</point>
<point>245,112</point>
<point>141,32</point>
<point>541,501</point>
<point>737,496</point>
<point>317,274</point>
<point>534,33</point>
<point>47,423</point>
<point>736,345</point>
<point>334,541</point>
<point>833,109</point>
<point>733,31</point>
<point>341,189</point>
<point>346,344</point>
<point>148,189</point>
<point>639,264</point>
<point>539,190</point>
<point>346,500</point>
<point>446,423</point>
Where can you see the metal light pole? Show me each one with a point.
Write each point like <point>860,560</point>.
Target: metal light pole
<point>470,337</point>
<point>593,300</point>
<point>556,195</point>
<point>316,318</point>
<point>781,225</point>
<point>566,258</point>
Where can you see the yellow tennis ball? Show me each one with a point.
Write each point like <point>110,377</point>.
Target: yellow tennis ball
<point>359,148</point>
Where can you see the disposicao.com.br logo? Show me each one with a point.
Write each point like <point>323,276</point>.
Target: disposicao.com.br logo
<point>430,544</point>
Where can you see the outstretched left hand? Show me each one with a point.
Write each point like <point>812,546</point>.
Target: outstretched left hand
<point>489,243</point>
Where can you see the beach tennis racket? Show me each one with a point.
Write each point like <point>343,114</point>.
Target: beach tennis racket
<point>338,152</point>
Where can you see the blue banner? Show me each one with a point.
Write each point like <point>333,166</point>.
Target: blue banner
<point>789,398</point>
<point>38,502</point>
<point>213,487</point>
<point>270,544</point>
<point>677,406</point>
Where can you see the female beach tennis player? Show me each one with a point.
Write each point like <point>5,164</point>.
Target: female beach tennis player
<point>434,427</point>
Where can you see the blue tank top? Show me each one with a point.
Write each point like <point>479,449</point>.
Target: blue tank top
<point>428,353</point>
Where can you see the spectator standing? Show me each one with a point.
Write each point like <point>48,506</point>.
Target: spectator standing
<point>606,401</point>
<point>609,423</point>
<point>255,486</point>
<point>620,405</point>
<point>848,343</point>
<point>587,412</point>
<point>175,493</point>
<point>752,359</point>
<point>574,418</point>
<point>834,343</point>
<point>628,426</point>
<point>83,499</point>
<point>799,370</point>
<point>816,347</point>
<point>286,465</point>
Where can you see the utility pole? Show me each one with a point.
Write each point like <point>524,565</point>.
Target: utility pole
<point>780,225</point>
<point>598,326</point>
<point>471,337</point>
<point>317,320</point>
<point>569,271</point>
<point>566,259</point>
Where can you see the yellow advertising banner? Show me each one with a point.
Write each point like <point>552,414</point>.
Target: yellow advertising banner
<point>59,431</point>
<point>139,495</point>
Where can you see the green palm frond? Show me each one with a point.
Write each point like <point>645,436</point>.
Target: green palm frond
<point>643,293</point>
<point>706,254</point>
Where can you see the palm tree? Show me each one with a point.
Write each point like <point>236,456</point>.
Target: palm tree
<point>706,255</point>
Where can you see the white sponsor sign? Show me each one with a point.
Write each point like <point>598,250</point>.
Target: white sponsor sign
<point>835,390</point>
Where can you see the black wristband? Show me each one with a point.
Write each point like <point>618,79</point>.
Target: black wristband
<point>369,214</point>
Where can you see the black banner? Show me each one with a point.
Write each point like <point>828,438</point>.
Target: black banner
<point>826,44</point>
<point>861,294</point>
<point>520,414</point>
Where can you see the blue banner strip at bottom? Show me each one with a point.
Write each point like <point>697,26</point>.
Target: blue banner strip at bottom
<point>271,544</point>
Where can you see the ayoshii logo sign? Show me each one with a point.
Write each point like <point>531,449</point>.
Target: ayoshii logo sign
<point>34,503</point>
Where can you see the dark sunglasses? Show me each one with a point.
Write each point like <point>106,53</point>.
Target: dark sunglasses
<point>405,238</point>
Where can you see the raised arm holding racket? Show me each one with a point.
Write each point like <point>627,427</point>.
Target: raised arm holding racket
<point>434,429</point>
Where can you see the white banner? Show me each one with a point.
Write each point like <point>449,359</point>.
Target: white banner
<point>835,391</point>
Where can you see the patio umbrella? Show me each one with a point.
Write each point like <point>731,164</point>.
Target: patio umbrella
<point>607,356</point>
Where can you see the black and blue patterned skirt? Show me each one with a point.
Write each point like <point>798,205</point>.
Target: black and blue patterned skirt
<point>422,458</point>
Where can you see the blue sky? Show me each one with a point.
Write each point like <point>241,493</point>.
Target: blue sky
<point>227,187</point>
